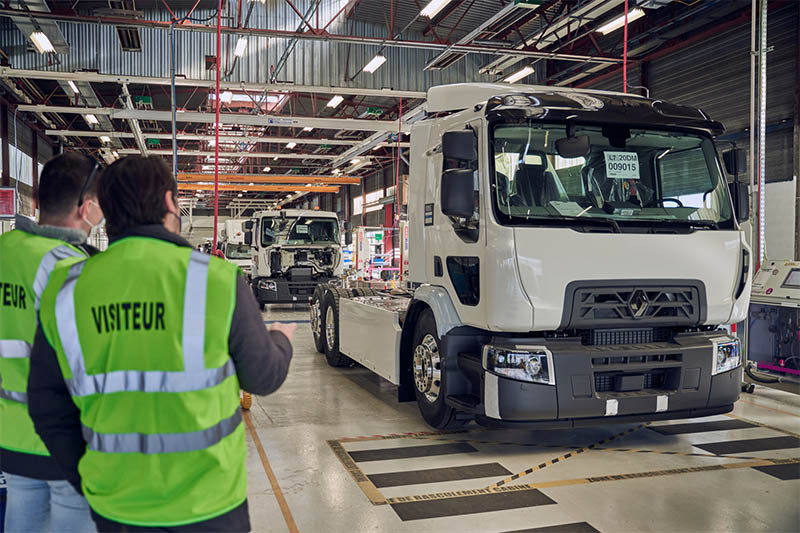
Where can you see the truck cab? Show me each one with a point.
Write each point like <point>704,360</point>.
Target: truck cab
<point>293,250</point>
<point>574,254</point>
<point>233,246</point>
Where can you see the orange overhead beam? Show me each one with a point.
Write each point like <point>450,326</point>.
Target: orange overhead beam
<point>271,178</point>
<point>260,188</point>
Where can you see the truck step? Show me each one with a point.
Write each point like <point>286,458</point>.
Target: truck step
<point>463,402</point>
<point>470,363</point>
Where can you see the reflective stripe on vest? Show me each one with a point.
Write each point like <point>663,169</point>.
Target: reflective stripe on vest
<point>19,397</point>
<point>162,442</point>
<point>13,349</point>
<point>194,375</point>
<point>46,266</point>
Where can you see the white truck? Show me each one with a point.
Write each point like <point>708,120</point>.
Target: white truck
<point>293,250</point>
<point>233,246</point>
<point>574,255</point>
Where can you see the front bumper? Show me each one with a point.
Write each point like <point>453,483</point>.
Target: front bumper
<point>286,291</point>
<point>677,375</point>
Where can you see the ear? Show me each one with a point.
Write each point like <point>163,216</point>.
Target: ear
<point>170,203</point>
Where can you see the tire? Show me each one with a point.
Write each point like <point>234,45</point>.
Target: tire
<point>330,325</point>
<point>317,328</point>
<point>365,292</point>
<point>429,378</point>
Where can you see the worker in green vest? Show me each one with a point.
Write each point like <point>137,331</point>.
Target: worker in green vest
<point>39,499</point>
<point>144,349</point>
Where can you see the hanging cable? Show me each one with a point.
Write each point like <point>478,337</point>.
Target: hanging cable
<point>216,127</point>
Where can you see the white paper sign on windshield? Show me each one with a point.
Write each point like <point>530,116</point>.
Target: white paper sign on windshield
<point>301,229</point>
<point>622,165</point>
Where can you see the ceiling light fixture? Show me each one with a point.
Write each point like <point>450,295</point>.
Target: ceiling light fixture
<point>226,97</point>
<point>267,169</point>
<point>375,63</point>
<point>308,128</point>
<point>105,139</point>
<point>335,101</point>
<point>522,73</point>
<point>91,119</point>
<point>433,7</point>
<point>42,43</point>
<point>241,46</point>
<point>291,145</point>
<point>617,23</point>
<point>73,86</point>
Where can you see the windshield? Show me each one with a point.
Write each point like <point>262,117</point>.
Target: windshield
<point>237,251</point>
<point>302,230</point>
<point>628,175</point>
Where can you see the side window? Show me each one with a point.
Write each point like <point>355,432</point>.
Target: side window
<point>267,233</point>
<point>685,176</point>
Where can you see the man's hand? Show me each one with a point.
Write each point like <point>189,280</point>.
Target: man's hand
<point>286,329</point>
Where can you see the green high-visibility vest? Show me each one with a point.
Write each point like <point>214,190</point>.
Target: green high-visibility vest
<point>26,262</point>
<point>141,334</point>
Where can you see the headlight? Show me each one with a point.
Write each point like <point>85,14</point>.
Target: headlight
<point>727,355</point>
<point>523,363</point>
<point>267,285</point>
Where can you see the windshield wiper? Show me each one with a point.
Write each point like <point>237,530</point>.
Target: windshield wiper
<point>692,224</point>
<point>575,221</point>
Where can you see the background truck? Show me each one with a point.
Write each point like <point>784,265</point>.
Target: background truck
<point>293,250</point>
<point>573,256</point>
<point>233,246</point>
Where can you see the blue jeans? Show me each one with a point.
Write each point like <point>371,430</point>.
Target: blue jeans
<point>36,505</point>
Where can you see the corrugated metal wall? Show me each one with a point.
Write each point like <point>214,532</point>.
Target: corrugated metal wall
<point>714,75</point>
<point>96,47</point>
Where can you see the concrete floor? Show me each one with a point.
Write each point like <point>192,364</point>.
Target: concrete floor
<point>640,485</point>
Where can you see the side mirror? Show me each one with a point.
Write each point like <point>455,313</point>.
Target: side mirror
<point>248,224</point>
<point>348,226</point>
<point>735,161</point>
<point>459,145</point>
<point>457,193</point>
<point>572,147</point>
<point>248,238</point>
<point>348,238</point>
<point>740,195</point>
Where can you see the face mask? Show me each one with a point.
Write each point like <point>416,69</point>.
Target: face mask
<point>93,227</point>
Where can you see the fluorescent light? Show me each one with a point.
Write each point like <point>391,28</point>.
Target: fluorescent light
<point>355,161</point>
<point>433,7</point>
<point>241,46</point>
<point>617,23</point>
<point>335,101</point>
<point>376,147</point>
<point>267,169</point>
<point>115,154</point>
<point>105,139</point>
<point>73,86</point>
<point>239,195</point>
<point>308,128</point>
<point>91,119</point>
<point>226,97</point>
<point>275,158</point>
<point>375,63</point>
<point>527,71</point>
<point>42,43</point>
<point>291,145</point>
<point>337,171</point>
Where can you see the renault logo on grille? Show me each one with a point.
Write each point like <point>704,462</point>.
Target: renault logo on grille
<point>638,303</point>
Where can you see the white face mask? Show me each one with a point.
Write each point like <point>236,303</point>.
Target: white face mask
<point>93,227</point>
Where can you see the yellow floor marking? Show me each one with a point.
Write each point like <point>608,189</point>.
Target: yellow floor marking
<point>759,424</point>
<point>367,487</point>
<point>287,514</point>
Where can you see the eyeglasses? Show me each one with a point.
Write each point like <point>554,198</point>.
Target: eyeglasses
<point>88,181</point>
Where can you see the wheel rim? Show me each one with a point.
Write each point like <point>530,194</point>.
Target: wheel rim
<point>330,328</point>
<point>316,327</point>
<point>428,368</point>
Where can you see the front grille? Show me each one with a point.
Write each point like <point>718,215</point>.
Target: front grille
<point>609,307</point>
<point>604,337</point>
<point>634,359</point>
<point>607,381</point>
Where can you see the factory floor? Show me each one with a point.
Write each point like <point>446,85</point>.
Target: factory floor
<point>334,452</point>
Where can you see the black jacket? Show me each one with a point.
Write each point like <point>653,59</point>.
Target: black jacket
<point>261,359</point>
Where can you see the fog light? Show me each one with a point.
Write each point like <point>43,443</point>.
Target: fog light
<point>524,363</point>
<point>727,355</point>
<point>267,285</point>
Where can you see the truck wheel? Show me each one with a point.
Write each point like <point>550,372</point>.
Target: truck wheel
<point>316,318</point>
<point>365,292</point>
<point>330,325</point>
<point>429,376</point>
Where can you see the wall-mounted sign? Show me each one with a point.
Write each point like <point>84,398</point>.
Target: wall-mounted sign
<point>8,202</point>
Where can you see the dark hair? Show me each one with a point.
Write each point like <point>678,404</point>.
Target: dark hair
<point>131,192</point>
<point>63,179</point>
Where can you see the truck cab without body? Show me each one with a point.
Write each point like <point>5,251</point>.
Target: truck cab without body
<point>293,250</point>
<point>575,254</point>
